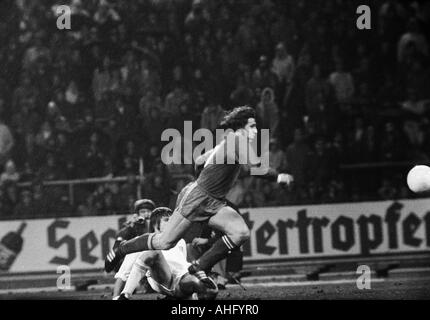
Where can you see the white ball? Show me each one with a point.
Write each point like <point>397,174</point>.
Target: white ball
<point>419,178</point>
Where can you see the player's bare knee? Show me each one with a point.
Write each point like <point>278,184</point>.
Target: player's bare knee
<point>239,235</point>
<point>244,234</point>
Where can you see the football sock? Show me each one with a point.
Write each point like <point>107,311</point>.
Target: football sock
<point>219,250</point>
<point>133,281</point>
<point>140,243</point>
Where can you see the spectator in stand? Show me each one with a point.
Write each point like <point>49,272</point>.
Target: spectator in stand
<point>197,18</point>
<point>129,188</point>
<point>125,118</point>
<point>387,191</point>
<point>343,85</point>
<point>25,207</point>
<point>102,79</point>
<point>6,142</point>
<point>73,98</point>
<point>283,66</point>
<point>392,144</point>
<point>298,157</point>
<point>338,149</point>
<point>62,150</point>
<point>415,138</point>
<point>415,106</point>
<point>9,173</point>
<point>174,99</point>
<point>211,116</point>
<point>314,192</point>
<point>128,154</point>
<point>263,76</point>
<point>267,111</point>
<point>92,158</point>
<point>149,79</point>
<point>150,99</point>
<point>364,102</point>
<point>242,94</point>
<point>320,164</point>
<point>158,190</point>
<point>153,126</point>
<point>50,171</point>
<point>333,193</point>
<point>185,114</point>
<point>10,198</point>
<point>277,156</point>
<point>413,37</point>
<point>356,140</point>
<point>370,147</point>
<point>317,91</point>
<point>23,92</point>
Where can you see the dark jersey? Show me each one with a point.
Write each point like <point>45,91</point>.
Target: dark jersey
<point>133,230</point>
<point>221,169</point>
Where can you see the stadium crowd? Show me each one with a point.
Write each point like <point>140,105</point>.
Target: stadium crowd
<point>93,101</point>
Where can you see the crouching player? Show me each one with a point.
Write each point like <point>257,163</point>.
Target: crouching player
<point>166,270</point>
<point>137,225</point>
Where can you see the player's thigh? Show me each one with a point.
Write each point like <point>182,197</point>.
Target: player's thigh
<point>173,232</point>
<point>157,265</point>
<point>230,222</point>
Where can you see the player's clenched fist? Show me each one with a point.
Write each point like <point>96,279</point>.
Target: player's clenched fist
<point>285,178</point>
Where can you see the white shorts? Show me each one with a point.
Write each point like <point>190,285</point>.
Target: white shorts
<point>173,291</point>
<point>126,266</point>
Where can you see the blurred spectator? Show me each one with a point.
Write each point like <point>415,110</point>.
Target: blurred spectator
<point>283,64</point>
<point>334,193</point>
<point>413,105</point>
<point>317,91</point>
<point>297,158</point>
<point>277,156</point>
<point>211,116</point>
<point>50,170</point>
<point>92,158</point>
<point>174,99</point>
<point>387,191</point>
<point>25,207</point>
<point>10,199</point>
<point>267,111</point>
<point>9,173</point>
<point>6,142</point>
<point>342,83</point>
<point>242,94</point>
<point>263,76</point>
<point>101,79</point>
<point>413,39</point>
<point>392,144</point>
<point>129,188</point>
<point>157,190</point>
<point>320,164</point>
<point>150,99</point>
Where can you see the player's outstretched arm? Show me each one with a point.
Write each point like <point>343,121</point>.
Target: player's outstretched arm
<point>274,175</point>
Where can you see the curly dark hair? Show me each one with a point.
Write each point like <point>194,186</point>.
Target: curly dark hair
<point>237,118</point>
<point>156,216</point>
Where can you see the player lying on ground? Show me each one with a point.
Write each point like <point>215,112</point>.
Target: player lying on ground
<point>166,270</point>
<point>204,200</point>
<point>136,226</point>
